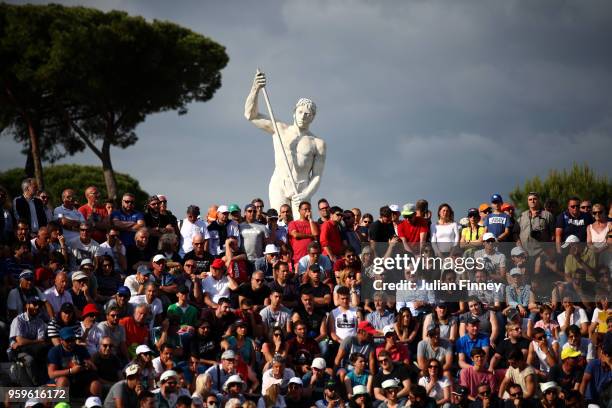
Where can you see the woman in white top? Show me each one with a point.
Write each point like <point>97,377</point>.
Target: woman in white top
<point>445,234</point>
<point>436,385</point>
<point>597,232</point>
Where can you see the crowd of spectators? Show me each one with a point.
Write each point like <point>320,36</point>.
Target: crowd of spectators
<point>243,307</point>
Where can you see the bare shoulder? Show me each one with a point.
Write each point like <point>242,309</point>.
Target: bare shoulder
<point>319,144</point>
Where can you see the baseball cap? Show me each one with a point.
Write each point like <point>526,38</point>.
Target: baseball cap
<point>271,249</point>
<point>159,257</point>
<point>217,263</point>
<point>162,197</point>
<point>390,383</point>
<point>90,308</point>
<point>240,323</point>
<point>86,261</point>
<point>132,369</point>
<point>517,251</point>
<point>249,206</point>
<point>515,271</point>
<point>388,329</point>
<point>572,239</point>
<point>549,385</point>
<point>193,210</point>
<point>67,307</point>
<point>272,213</point>
<point>222,209</point>
<point>487,236</point>
<point>168,374</point>
<point>78,275</point>
<point>143,270</point>
<point>319,363</point>
<point>496,198</point>
<point>408,209</point>
<point>33,299</point>
<point>296,380</point>
<point>568,352</point>
<point>507,206</point>
<point>359,390</point>
<point>228,355</point>
<point>124,291</point>
<point>93,402</point>
<point>484,207</point>
<point>367,327</point>
<point>143,349</point>
<point>394,208</point>
<point>26,274</point>
<point>233,207</point>
<point>473,320</point>
<point>67,333</point>
<point>331,384</point>
<point>472,212</point>
<point>233,379</point>
<point>183,289</point>
<point>460,390</point>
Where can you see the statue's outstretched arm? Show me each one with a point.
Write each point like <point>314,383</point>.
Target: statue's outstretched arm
<point>250,106</point>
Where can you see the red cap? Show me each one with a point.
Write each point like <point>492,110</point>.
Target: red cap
<point>90,308</point>
<point>367,327</point>
<point>218,264</point>
<point>507,206</point>
<point>42,274</point>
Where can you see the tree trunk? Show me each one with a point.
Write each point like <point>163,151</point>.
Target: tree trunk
<point>34,148</point>
<point>29,164</point>
<point>109,174</point>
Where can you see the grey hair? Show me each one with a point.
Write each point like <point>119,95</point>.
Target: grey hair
<point>26,183</point>
<point>307,103</point>
<point>169,239</point>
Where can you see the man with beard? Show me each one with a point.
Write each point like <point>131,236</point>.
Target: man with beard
<point>255,290</point>
<point>107,363</point>
<point>313,318</point>
<point>301,347</point>
<point>95,214</point>
<point>17,296</point>
<point>156,222</point>
<point>140,252</point>
<point>283,285</point>
<point>127,220</point>
<point>111,328</point>
<point>204,345</point>
<point>122,300</point>
<point>302,232</point>
<point>27,337</point>
<point>220,319</point>
<point>82,247</point>
<point>199,254</point>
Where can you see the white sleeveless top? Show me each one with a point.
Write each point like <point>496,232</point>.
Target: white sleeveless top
<point>599,238</point>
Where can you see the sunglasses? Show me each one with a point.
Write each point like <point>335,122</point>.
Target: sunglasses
<point>434,366</point>
<point>323,208</point>
<point>485,393</point>
<point>128,201</point>
<point>539,338</point>
<point>597,212</point>
<point>585,207</point>
<point>573,206</point>
<point>516,394</point>
<point>384,360</point>
<point>107,345</point>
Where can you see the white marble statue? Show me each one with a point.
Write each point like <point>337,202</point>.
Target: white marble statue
<point>304,151</point>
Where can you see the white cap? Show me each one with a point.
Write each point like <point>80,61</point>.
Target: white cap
<point>487,236</point>
<point>390,383</point>
<point>228,355</point>
<point>32,403</point>
<point>271,249</point>
<point>234,379</point>
<point>159,257</point>
<point>86,261</point>
<point>394,208</point>
<point>296,380</point>
<point>78,275</point>
<point>517,251</point>
<point>548,385</point>
<point>319,363</point>
<point>359,390</point>
<point>388,329</point>
<point>515,271</point>
<point>92,402</point>
<point>168,374</point>
<point>268,382</point>
<point>572,239</point>
<point>142,349</point>
<point>131,369</point>
<point>223,209</point>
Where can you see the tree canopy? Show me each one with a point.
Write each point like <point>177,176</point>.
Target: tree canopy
<point>91,77</point>
<point>77,177</point>
<point>579,181</point>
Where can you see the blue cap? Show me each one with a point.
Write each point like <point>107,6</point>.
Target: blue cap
<point>67,333</point>
<point>124,291</point>
<point>249,206</point>
<point>26,274</point>
<point>496,198</point>
<point>33,299</point>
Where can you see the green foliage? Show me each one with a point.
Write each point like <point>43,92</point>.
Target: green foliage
<point>73,176</point>
<point>579,181</point>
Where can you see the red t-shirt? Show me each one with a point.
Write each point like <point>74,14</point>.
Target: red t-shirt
<point>412,230</point>
<point>99,213</point>
<point>299,246</point>
<point>134,333</point>
<point>330,237</point>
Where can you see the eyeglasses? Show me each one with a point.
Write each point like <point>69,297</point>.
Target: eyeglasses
<point>597,212</point>
<point>538,338</point>
<point>277,334</point>
<point>250,211</point>
<point>550,391</point>
<point>107,345</point>
<point>42,197</point>
<point>128,201</point>
<point>573,206</point>
<point>585,207</point>
<point>323,208</point>
<point>171,383</point>
<point>434,366</point>
<point>516,394</point>
<point>107,265</point>
<point>211,402</point>
<point>383,360</point>
<point>485,393</point>
<point>113,315</point>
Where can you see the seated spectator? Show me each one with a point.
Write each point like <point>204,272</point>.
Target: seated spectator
<point>144,361</point>
<point>519,373</point>
<point>114,248</point>
<point>391,389</point>
<point>543,352</point>
<point>567,375</point>
<point>91,332</point>
<point>488,320</point>
<point>471,377</point>
<point>315,379</point>
<point>16,298</point>
<point>513,341</point>
<point>357,374</point>
<point>550,326</point>
<point>111,328</point>
<point>165,360</point>
<point>597,375</point>
<point>472,338</point>
<point>66,317</point>
<point>204,345</point>
<point>240,342</point>
<point>436,385</point>
<point>70,365</point>
<point>360,343</point>
<point>486,398</point>
<point>399,351</point>
<point>136,328</point>
<point>79,291</point>
<point>447,323</point>
<point>217,284</point>
<point>220,319</point>
<point>284,285</point>
<point>313,283</point>
<point>187,313</point>
<point>121,299</point>
<point>295,394</point>
<point>271,396</point>
<point>57,295</point>
<point>576,342</point>
<point>126,393</point>
<point>433,346</point>
<point>331,395</point>
<point>301,346</point>
<point>168,392</point>
<point>275,346</point>
<point>219,373</point>
<point>107,364</point>
<point>572,315</point>
<point>313,257</point>
<point>156,308</point>
<point>108,279</point>
<point>255,290</point>
<point>275,314</point>
<point>390,370</point>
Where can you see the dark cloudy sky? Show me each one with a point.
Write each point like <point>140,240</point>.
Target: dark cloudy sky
<point>444,100</point>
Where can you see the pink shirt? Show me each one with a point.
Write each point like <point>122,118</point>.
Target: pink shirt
<point>471,379</point>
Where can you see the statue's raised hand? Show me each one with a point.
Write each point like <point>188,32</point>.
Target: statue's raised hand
<point>259,81</point>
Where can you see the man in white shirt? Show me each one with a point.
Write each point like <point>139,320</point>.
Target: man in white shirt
<point>57,295</point>
<point>190,227</point>
<point>573,315</point>
<point>83,247</point>
<point>343,319</point>
<point>68,216</point>
<point>217,284</point>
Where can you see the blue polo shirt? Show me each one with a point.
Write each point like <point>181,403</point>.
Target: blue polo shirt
<point>127,237</point>
<point>600,376</point>
<point>465,345</point>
